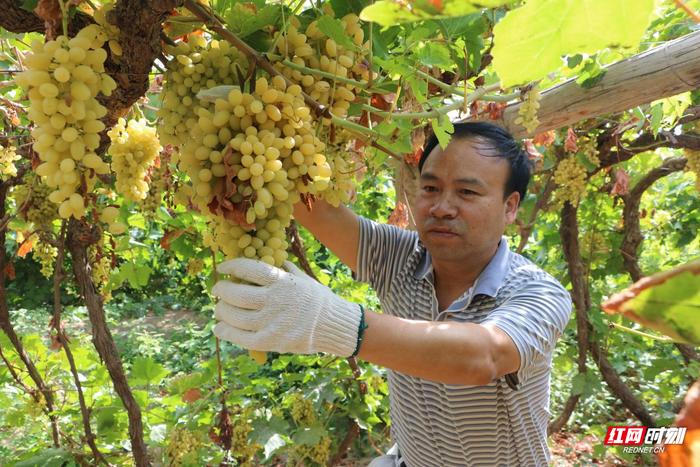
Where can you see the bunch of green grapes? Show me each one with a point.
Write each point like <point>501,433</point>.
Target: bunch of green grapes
<point>570,177</point>
<point>109,216</point>
<point>302,410</point>
<point>250,157</point>
<point>33,198</point>
<point>45,254</point>
<point>182,447</point>
<point>197,65</point>
<point>527,112</point>
<point>321,451</point>
<point>100,269</point>
<point>159,185</point>
<point>35,408</point>
<point>62,80</point>
<point>8,156</point>
<point>101,16</point>
<point>307,454</point>
<point>693,164</point>
<point>194,266</point>
<point>242,449</point>
<point>313,49</point>
<point>589,147</point>
<point>594,243</point>
<point>342,181</point>
<point>134,149</point>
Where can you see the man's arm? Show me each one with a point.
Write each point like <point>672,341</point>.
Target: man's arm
<point>447,352</point>
<point>521,331</point>
<point>337,228</point>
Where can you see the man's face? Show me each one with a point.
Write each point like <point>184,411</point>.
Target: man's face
<point>461,211</point>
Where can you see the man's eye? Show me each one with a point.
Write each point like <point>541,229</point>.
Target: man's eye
<point>429,188</point>
<point>467,192</point>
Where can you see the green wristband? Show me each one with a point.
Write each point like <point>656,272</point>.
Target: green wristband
<point>360,331</point>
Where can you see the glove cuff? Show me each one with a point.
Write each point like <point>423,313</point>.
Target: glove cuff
<point>337,333</point>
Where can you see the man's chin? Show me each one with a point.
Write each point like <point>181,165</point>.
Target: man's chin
<point>445,249</point>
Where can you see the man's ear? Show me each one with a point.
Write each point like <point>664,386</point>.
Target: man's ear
<point>512,204</point>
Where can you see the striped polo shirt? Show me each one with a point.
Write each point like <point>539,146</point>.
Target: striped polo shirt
<point>441,425</point>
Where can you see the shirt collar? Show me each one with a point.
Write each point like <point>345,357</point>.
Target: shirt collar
<point>490,279</point>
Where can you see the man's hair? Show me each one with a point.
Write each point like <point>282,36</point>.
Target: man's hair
<point>501,144</point>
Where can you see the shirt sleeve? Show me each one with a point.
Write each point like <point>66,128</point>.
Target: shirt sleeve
<point>534,317</point>
<point>382,252</point>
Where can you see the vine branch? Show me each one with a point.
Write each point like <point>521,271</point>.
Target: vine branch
<point>80,237</point>
<point>569,232</point>
<point>6,326</point>
<point>632,236</point>
<point>58,277</point>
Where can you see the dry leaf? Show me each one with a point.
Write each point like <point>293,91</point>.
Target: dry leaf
<point>544,139</point>
<point>622,183</point>
<point>170,237</point>
<point>25,248</point>
<point>570,143</point>
<point>399,216</point>
<point>192,395</point>
<point>10,271</point>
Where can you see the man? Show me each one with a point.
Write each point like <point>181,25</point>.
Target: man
<point>468,326</point>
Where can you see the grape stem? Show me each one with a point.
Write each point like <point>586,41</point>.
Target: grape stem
<point>640,333</point>
<point>325,74</point>
<point>456,90</point>
<point>64,16</point>
<point>476,95</point>
<point>444,86</point>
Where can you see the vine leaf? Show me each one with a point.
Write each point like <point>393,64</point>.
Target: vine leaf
<point>435,54</point>
<point>531,40</point>
<point>51,457</point>
<point>147,371</point>
<point>443,128</point>
<point>668,302</point>
<point>391,12</point>
<point>179,26</point>
<point>245,18</point>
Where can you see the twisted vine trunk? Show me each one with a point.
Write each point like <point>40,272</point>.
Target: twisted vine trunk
<point>7,327</point>
<point>80,237</point>
<point>632,238</point>
<point>568,233</point>
<point>58,277</point>
<point>582,301</point>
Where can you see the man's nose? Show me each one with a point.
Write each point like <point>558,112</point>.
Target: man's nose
<point>444,206</point>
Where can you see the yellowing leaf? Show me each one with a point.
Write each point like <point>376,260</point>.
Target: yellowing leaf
<point>668,302</point>
<point>25,248</point>
<point>531,40</point>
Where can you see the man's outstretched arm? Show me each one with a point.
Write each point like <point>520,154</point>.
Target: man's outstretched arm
<point>444,351</point>
<point>337,228</point>
<point>287,311</point>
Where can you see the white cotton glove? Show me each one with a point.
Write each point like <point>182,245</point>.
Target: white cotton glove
<point>283,311</point>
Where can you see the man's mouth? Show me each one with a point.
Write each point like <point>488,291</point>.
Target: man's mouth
<point>441,232</point>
